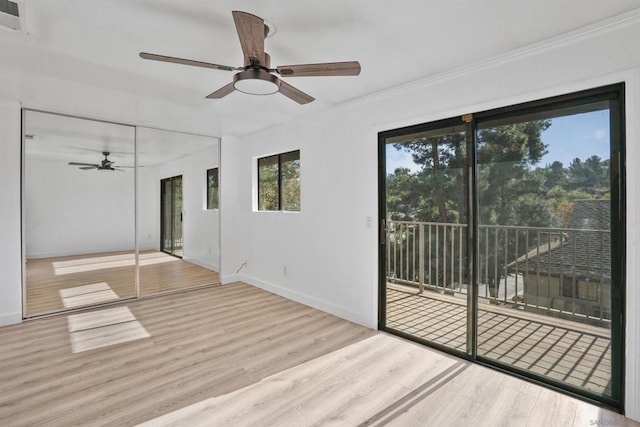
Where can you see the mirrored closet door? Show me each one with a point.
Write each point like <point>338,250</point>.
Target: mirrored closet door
<point>178,220</point>
<point>78,212</point>
<point>100,224</point>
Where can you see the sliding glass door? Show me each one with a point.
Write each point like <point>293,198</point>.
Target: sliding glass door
<point>171,211</point>
<point>501,239</point>
<point>427,232</point>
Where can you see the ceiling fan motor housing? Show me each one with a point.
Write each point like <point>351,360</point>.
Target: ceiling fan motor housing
<point>256,81</point>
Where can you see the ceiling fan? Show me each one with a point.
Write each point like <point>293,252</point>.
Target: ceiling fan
<point>256,77</point>
<point>104,165</point>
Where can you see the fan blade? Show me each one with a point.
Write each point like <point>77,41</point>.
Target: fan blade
<point>295,94</point>
<point>222,92</point>
<point>82,164</point>
<point>182,61</point>
<point>86,168</point>
<point>350,68</point>
<point>251,33</point>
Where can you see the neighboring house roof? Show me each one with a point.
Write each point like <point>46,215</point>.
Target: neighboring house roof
<point>582,251</point>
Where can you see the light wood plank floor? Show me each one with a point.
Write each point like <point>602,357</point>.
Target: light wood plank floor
<point>237,355</point>
<point>569,352</point>
<point>102,277</point>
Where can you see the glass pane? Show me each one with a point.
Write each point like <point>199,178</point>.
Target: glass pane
<point>167,222</point>
<point>545,245</point>
<point>268,189</point>
<point>177,216</point>
<point>290,163</point>
<point>78,212</point>
<point>172,214</point>
<point>427,236</point>
<point>212,188</point>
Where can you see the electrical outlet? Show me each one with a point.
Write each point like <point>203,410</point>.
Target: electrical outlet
<point>284,270</point>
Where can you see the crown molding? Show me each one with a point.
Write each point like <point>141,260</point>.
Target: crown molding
<point>567,38</point>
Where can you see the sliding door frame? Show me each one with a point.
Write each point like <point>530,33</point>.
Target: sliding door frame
<point>171,180</point>
<point>614,94</point>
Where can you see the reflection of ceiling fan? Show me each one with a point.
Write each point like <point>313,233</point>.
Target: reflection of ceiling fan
<point>256,77</point>
<point>104,165</point>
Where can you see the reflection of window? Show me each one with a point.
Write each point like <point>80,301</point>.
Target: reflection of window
<point>212,188</point>
<point>279,182</point>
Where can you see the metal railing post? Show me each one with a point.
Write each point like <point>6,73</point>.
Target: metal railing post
<point>421,258</point>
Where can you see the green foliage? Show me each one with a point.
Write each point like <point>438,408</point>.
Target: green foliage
<point>512,189</point>
<point>279,182</point>
<point>291,185</point>
<point>268,191</point>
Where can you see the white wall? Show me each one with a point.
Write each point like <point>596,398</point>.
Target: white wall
<point>68,211</point>
<point>10,221</point>
<point>330,253</point>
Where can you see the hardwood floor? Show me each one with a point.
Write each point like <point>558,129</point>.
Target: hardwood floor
<point>237,355</point>
<point>53,284</point>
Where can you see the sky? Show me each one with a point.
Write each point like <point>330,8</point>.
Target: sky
<point>579,135</point>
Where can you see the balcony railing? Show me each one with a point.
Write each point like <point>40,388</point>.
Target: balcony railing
<point>558,272</point>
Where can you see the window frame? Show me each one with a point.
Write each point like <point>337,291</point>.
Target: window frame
<point>279,181</point>
<point>208,207</point>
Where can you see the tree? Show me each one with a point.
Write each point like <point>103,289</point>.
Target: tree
<point>510,192</point>
<point>556,175</point>
<point>437,192</point>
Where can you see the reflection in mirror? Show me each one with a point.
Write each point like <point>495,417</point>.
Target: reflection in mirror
<point>178,216</point>
<point>78,206</point>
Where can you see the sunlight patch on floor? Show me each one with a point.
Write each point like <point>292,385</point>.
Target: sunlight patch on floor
<point>344,387</point>
<point>81,265</point>
<point>94,293</point>
<point>102,328</point>
<point>156,258</point>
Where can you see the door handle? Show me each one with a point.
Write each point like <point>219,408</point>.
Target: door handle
<point>383,232</point>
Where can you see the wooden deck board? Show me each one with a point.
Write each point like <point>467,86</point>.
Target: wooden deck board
<point>555,348</point>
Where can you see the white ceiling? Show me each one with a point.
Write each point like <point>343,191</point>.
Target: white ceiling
<point>97,42</point>
<point>66,139</point>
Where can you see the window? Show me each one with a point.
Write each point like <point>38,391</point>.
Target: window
<point>212,189</point>
<point>279,182</point>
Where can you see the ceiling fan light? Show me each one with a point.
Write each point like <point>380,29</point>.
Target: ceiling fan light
<point>256,82</point>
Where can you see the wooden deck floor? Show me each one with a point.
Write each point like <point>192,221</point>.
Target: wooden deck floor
<point>570,352</point>
<point>53,284</point>
<point>235,355</point>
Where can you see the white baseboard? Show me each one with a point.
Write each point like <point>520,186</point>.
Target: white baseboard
<point>230,278</point>
<point>203,264</point>
<point>316,303</point>
<point>10,319</point>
